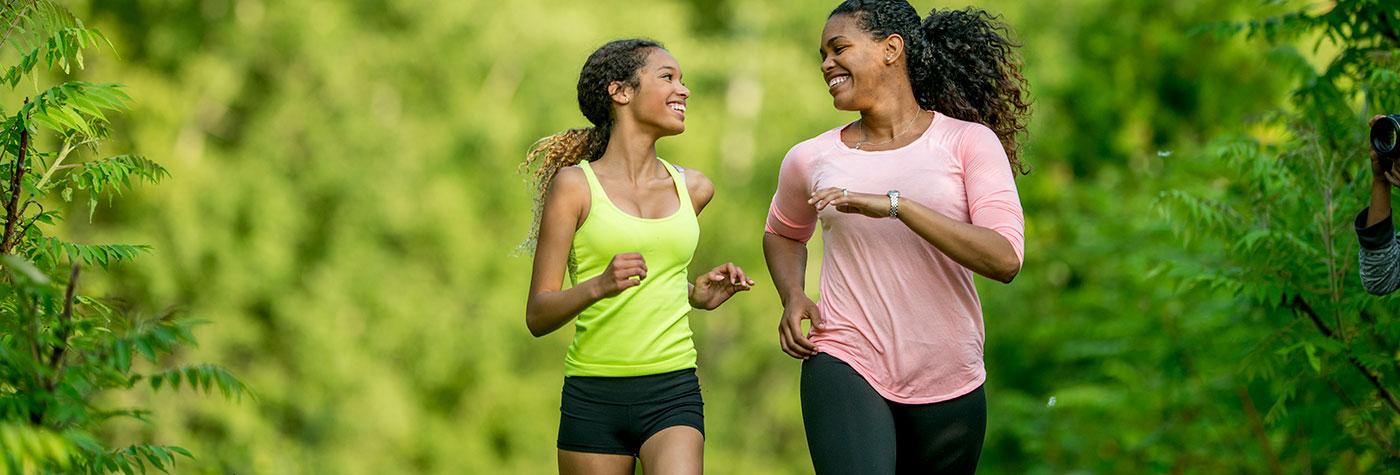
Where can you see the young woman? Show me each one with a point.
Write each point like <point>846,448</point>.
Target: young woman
<point>622,223</point>
<point>913,198</point>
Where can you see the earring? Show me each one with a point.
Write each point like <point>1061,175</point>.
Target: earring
<point>889,59</point>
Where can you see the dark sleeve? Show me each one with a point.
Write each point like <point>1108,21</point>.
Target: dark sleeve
<point>1377,236</point>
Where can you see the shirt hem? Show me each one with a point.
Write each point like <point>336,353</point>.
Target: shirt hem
<point>592,369</point>
<point>890,395</point>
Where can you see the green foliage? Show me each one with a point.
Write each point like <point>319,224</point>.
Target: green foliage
<point>61,352</point>
<point>348,198</point>
<point>1321,350</point>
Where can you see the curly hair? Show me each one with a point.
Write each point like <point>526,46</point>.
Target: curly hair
<point>961,63</point>
<point>616,61</point>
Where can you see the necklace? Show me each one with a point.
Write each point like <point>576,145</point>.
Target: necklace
<point>865,137</point>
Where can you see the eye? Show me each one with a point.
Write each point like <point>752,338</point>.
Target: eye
<point>667,76</point>
<point>839,49</point>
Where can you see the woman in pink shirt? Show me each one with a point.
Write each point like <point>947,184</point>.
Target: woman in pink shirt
<point>913,198</point>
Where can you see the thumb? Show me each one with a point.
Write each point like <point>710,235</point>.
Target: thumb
<point>816,315</point>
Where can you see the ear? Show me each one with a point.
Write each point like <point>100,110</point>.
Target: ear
<point>893,49</point>
<point>620,92</point>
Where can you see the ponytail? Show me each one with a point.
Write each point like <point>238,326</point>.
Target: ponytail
<point>554,153</point>
<point>965,66</point>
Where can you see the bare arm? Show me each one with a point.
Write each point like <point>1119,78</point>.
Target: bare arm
<point>1381,181</point>
<point>787,262</point>
<point>548,307</point>
<point>701,189</point>
<point>982,250</point>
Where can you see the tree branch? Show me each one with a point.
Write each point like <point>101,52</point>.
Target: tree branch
<point>1301,306</point>
<point>10,29</point>
<point>65,320</point>
<point>1257,427</point>
<point>16,180</point>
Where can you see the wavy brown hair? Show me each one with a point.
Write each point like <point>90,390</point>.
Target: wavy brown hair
<point>616,61</point>
<point>961,63</point>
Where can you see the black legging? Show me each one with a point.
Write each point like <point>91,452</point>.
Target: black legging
<point>852,429</point>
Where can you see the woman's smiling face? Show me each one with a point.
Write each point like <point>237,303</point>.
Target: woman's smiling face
<point>853,64</point>
<point>660,97</point>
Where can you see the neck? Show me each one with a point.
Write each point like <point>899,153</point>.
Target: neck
<point>888,117</point>
<point>630,151</point>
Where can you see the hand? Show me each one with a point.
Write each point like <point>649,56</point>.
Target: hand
<point>875,206</point>
<point>716,286</point>
<point>619,274</point>
<point>1378,165</point>
<point>791,338</point>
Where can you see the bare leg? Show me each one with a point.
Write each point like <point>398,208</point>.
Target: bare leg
<point>584,463</point>
<point>676,450</point>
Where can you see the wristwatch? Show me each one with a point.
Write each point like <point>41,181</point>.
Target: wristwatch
<point>894,203</point>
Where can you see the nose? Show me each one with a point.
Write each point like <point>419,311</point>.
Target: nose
<point>828,64</point>
<point>684,92</point>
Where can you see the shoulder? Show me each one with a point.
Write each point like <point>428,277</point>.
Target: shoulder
<point>697,183</point>
<point>958,134</point>
<point>802,158</point>
<point>569,178</point>
<point>569,184</point>
<point>967,141</point>
<point>809,149</point>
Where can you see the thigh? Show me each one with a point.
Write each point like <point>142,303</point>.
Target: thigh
<point>849,426</point>
<point>589,423</point>
<point>943,437</point>
<point>585,463</point>
<point>671,425</point>
<point>674,450</point>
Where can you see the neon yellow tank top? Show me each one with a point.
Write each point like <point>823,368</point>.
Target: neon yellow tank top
<point>645,329</point>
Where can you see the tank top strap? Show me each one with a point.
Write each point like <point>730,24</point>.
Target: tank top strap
<point>679,179</point>
<point>594,186</point>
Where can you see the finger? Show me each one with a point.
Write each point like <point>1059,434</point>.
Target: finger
<point>743,279</point>
<point>800,337</point>
<point>1393,177</point>
<point>627,284</point>
<point>785,341</point>
<point>806,344</point>
<point>794,332</point>
<point>815,315</point>
<point>630,271</point>
<point>823,197</point>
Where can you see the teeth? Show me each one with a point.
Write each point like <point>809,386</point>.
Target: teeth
<point>837,80</point>
<point>678,107</point>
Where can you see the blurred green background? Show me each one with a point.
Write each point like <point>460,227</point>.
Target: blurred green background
<point>345,202</point>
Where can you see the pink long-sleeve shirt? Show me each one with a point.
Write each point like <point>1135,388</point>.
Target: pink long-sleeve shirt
<point>900,312</point>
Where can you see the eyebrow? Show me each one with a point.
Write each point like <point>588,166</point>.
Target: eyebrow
<point>822,52</point>
<point>666,67</point>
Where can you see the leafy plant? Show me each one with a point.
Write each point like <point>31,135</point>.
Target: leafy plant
<point>60,350</point>
<point>1276,235</point>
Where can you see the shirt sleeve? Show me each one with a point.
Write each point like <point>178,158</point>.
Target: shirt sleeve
<point>1379,255</point>
<point>992,200</point>
<point>789,215</point>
